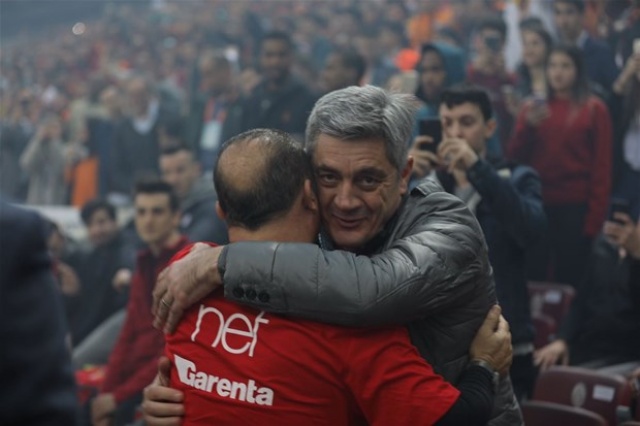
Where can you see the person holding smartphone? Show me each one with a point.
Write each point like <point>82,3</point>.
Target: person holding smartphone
<point>507,203</point>
<point>627,135</point>
<point>567,138</point>
<point>440,66</point>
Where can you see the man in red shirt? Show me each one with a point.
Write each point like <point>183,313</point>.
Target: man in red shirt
<point>133,362</point>
<point>237,365</point>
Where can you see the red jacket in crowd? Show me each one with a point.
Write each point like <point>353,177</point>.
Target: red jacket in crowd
<point>234,362</point>
<point>134,361</point>
<point>572,152</point>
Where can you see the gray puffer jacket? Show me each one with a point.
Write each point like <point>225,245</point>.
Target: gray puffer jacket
<point>428,269</point>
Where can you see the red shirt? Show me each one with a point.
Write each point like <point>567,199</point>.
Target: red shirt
<point>134,361</point>
<point>571,150</point>
<point>237,365</point>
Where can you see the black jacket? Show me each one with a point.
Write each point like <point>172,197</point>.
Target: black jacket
<point>135,155</point>
<point>97,299</point>
<point>287,109</point>
<point>199,221</point>
<point>35,368</point>
<point>604,320</point>
<point>512,218</point>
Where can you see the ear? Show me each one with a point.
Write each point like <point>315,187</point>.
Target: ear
<point>490,128</point>
<point>309,197</point>
<point>221,214</point>
<point>405,176</point>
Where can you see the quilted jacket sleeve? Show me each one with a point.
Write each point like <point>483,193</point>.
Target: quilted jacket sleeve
<point>434,259</point>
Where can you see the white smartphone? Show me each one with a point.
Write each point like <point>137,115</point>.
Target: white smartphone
<point>636,46</point>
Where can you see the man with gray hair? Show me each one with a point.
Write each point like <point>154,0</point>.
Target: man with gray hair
<point>386,255</point>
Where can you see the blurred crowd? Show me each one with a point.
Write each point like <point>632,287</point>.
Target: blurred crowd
<point>154,89</point>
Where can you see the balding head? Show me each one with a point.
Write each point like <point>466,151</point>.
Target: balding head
<point>258,177</point>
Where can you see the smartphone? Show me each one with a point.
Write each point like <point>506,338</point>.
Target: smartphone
<point>431,127</point>
<point>619,205</point>
<point>636,46</point>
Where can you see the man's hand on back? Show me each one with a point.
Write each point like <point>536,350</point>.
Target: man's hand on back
<point>162,405</point>
<point>183,283</point>
<point>492,343</point>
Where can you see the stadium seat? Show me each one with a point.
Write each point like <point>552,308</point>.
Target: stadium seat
<point>552,299</point>
<point>545,328</point>
<point>538,413</point>
<point>605,395</point>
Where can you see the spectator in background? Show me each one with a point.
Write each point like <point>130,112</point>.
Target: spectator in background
<point>379,71</point>
<point>603,325</point>
<point>597,55</point>
<point>132,364</point>
<point>280,101</point>
<point>344,68</point>
<point>197,196</point>
<point>568,140</point>
<point>628,27</point>
<point>135,149</point>
<point>440,67</point>
<point>536,45</point>
<point>488,71</point>
<point>39,387</point>
<point>44,163</point>
<point>100,294</point>
<point>506,199</point>
<point>627,136</point>
<point>100,134</point>
<point>209,107</point>
<point>18,127</point>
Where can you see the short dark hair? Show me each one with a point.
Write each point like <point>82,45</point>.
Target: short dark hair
<point>495,23</point>
<point>351,59</point>
<point>157,186</point>
<point>463,93</point>
<point>578,4</point>
<point>275,183</point>
<point>91,207</point>
<point>277,36</point>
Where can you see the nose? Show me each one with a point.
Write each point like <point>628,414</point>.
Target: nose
<point>346,198</point>
<point>455,130</point>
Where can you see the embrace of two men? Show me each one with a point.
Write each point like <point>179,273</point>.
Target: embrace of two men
<point>408,267</point>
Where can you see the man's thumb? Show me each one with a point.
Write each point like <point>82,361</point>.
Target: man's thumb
<point>493,318</point>
<point>164,370</point>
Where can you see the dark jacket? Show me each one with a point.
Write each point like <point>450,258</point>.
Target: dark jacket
<point>35,368</point>
<point>512,218</point>
<point>604,320</point>
<point>600,63</point>
<point>286,110</point>
<point>135,155</point>
<point>199,219</point>
<point>98,299</point>
<point>429,268</point>
<point>195,125</point>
